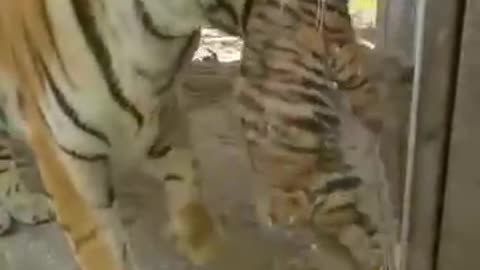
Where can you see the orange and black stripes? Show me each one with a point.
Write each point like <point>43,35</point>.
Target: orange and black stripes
<point>43,72</point>
<point>7,157</point>
<point>299,58</point>
<point>185,52</point>
<point>146,18</point>
<point>43,65</point>
<point>230,22</point>
<point>87,21</point>
<point>68,110</point>
<point>44,13</point>
<point>294,67</point>
<point>80,240</point>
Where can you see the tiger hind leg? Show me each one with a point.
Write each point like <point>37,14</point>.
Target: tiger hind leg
<point>192,228</point>
<point>331,210</point>
<point>339,213</point>
<point>170,160</point>
<point>17,202</point>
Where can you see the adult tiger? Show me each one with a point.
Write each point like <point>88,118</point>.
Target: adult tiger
<point>89,84</point>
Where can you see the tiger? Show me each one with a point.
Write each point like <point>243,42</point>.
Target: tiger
<point>300,59</point>
<point>91,87</point>
<point>79,84</point>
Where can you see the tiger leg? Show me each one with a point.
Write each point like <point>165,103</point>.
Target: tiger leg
<point>190,224</point>
<point>331,210</point>
<point>80,195</point>
<point>171,160</point>
<point>329,203</point>
<point>84,202</point>
<point>16,201</point>
<point>339,212</point>
<point>93,180</point>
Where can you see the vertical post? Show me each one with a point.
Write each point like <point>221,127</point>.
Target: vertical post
<point>395,34</point>
<point>434,88</point>
<point>460,233</point>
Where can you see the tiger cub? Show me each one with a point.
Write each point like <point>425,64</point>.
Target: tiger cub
<point>299,60</point>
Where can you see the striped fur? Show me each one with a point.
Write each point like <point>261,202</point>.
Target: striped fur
<point>90,86</point>
<point>16,201</point>
<point>81,82</point>
<point>300,58</point>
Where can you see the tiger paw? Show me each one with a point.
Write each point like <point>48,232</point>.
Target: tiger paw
<point>29,208</point>
<point>5,221</point>
<point>195,234</point>
<point>366,249</point>
<point>284,208</point>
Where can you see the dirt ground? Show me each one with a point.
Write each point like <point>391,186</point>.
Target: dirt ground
<point>226,175</point>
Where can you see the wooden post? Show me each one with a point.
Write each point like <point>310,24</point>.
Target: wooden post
<point>460,232</point>
<point>432,103</point>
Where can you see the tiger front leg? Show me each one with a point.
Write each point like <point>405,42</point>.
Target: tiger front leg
<point>16,200</point>
<point>190,226</point>
<point>91,177</point>
<point>79,187</point>
<point>84,200</point>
